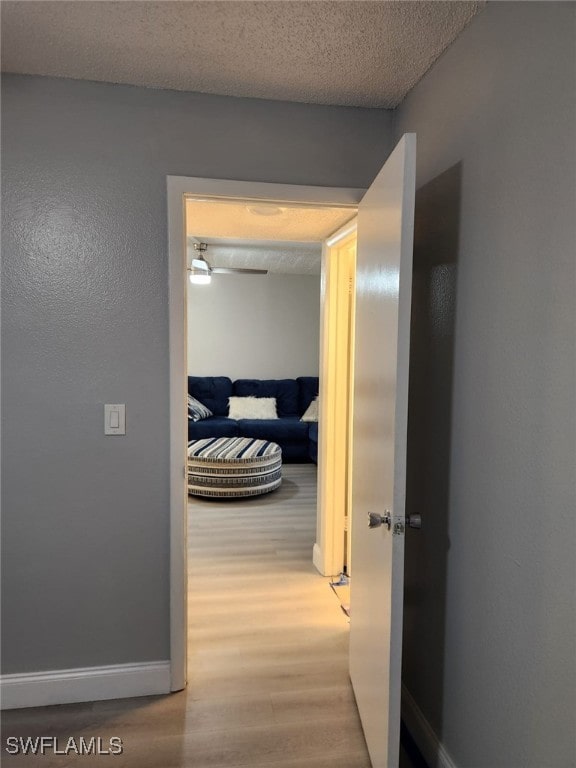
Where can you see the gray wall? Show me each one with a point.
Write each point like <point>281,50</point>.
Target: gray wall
<point>263,327</point>
<point>85,517</point>
<point>489,653</point>
<point>489,650</point>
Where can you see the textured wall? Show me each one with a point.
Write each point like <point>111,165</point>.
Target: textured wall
<point>263,327</point>
<point>489,650</point>
<point>85,303</point>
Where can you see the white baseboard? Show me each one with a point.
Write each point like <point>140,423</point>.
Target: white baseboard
<point>318,560</point>
<point>432,749</point>
<point>68,686</point>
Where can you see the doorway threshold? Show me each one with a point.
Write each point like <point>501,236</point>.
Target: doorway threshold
<point>341,589</point>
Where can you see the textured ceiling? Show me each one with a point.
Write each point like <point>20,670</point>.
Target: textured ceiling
<point>286,258</point>
<point>345,52</point>
<point>245,220</point>
<point>284,239</point>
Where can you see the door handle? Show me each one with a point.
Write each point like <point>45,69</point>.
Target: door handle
<point>375,520</point>
<point>414,521</point>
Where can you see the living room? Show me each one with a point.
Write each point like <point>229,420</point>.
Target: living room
<point>253,370</point>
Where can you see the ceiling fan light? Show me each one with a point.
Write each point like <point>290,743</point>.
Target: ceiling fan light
<point>200,277</point>
<point>264,210</point>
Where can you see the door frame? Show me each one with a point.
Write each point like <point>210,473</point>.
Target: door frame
<point>178,188</point>
<point>335,398</point>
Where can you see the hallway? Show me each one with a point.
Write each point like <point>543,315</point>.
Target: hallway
<point>268,641</point>
<point>268,656</point>
<point>267,668</point>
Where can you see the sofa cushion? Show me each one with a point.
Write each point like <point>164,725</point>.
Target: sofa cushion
<point>295,453</point>
<point>216,426</point>
<point>282,431</point>
<point>307,391</point>
<point>284,390</point>
<point>313,432</point>
<point>213,391</point>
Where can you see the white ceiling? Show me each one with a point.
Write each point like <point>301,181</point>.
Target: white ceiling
<point>280,258</point>
<point>366,53</point>
<point>247,220</point>
<point>282,238</point>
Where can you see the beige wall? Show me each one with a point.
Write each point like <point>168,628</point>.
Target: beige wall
<point>261,326</point>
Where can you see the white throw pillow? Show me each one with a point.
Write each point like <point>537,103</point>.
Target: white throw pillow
<point>252,408</point>
<point>311,413</point>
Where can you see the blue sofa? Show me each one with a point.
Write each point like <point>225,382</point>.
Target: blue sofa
<point>293,396</point>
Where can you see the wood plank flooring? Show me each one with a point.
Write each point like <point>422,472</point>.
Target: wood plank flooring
<point>267,633</point>
<point>268,644</point>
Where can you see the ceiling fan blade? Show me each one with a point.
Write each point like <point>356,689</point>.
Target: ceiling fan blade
<point>201,265</point>
<point>238,271</point>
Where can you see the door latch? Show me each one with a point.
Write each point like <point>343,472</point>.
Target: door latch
<point>412,521</point>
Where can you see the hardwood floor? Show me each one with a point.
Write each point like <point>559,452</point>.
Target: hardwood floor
<point>268,642</point>
<point>267,632</point>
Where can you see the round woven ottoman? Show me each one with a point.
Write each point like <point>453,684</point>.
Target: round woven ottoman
<point>233,467</point>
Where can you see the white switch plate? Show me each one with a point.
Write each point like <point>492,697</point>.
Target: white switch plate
<point>115,419</point>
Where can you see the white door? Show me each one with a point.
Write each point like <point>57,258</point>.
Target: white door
<point>383,294</point>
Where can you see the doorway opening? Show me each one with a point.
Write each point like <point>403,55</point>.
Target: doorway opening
<point>335,207</point>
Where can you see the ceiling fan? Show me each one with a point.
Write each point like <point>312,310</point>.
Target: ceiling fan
<point>201,271</point>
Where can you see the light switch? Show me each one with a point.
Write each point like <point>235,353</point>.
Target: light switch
<point>115,419</point>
